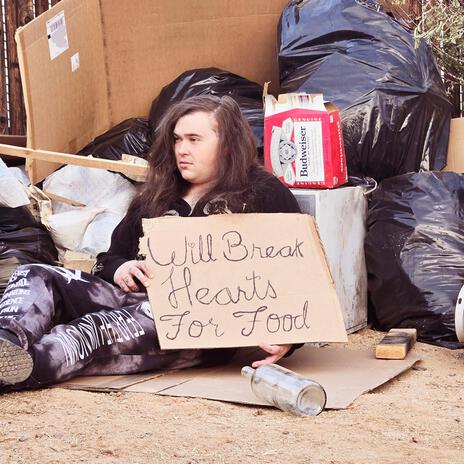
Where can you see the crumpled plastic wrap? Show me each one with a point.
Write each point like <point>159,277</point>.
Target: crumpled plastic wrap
<point>22,241</point>
<point>394,110</point>
<point>12,191</point>
<point>415,254</point>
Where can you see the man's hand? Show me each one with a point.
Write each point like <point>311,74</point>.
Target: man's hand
<point>125,274</point>
<point>275,353</point>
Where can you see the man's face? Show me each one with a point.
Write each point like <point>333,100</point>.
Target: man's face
<point>196,148</point>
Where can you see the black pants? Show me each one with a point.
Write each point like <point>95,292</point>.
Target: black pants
<point>74,323</point>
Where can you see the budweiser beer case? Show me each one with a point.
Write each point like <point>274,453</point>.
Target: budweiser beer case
<point>303,141</point>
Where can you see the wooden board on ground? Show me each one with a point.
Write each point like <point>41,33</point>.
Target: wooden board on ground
<point>396,344</point>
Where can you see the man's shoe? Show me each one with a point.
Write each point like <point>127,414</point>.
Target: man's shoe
<point>15,362</point>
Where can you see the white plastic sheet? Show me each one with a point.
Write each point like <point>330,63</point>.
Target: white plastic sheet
<point>106,197</point>
<point>91,187</point>
<point>12,192</point>
<point>67,229</point>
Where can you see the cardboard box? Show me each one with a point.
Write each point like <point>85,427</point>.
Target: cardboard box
<point>86,65</point>
<point>303,141</point>
<point>455,161</point>
<point>341,217</point>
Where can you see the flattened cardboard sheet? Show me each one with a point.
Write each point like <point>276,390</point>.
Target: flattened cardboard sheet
<point>65,109</point>
<point>345,375</point>
<point>455,160</point>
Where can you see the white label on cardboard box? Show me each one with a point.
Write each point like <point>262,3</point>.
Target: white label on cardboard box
<point>220,282</point>
<point>57,35</point>
<point>309,162</point>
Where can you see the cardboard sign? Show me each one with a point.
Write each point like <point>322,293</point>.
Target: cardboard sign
<point>303,141</point>
<point>240,280</point>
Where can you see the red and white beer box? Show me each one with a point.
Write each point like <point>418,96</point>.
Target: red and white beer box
<point>303,141</point>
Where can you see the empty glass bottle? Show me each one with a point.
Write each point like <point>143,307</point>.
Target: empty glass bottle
<point>286,389</point>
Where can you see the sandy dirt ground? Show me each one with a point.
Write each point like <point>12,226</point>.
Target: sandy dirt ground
<point>415,418</point>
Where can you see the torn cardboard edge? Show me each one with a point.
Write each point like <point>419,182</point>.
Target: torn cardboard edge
<point>344,373</point>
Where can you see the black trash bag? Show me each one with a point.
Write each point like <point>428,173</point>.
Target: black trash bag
<point>12,161</point>
<point>22,236</point>
<point>131,137</point>
<point>394,110</point>
<point>22,241</point>
<point>415,254</point>
<point>214,81</point>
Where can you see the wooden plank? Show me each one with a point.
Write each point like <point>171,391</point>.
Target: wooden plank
<point>396,344</point>
<point>55,197</point>
<point>64,158</point>
<point>80,261</point>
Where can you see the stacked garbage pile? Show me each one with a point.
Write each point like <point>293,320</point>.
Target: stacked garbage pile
<point>396,118</point>
<point>394,110</point>
<point>71,218</point>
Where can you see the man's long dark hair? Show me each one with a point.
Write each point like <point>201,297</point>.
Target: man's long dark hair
<point>237,159</point>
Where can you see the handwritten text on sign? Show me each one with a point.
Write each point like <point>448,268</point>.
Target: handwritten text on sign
<point>239,280</point>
